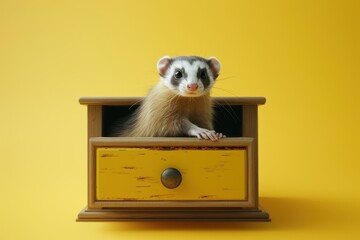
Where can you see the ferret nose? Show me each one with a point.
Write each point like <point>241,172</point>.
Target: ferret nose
<point>192,86</point>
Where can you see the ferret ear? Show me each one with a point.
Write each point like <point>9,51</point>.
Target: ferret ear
<point>163,65</point>
<point>214,66</point>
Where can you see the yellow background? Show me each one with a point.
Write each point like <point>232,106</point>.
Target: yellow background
<point>302,55</point>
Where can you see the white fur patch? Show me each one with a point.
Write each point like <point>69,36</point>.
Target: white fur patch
<point>191,70</point>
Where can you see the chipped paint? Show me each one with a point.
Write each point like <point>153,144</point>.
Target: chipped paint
<point>107,155</point>
<point>206,196</point>
<point>127,167</point>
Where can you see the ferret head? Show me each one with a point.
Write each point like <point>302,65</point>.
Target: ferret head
<point>188,76</point>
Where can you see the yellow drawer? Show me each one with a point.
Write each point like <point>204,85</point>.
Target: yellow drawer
<point>129,174</point>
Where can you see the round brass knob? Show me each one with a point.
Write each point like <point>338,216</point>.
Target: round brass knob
<point>171,178</point>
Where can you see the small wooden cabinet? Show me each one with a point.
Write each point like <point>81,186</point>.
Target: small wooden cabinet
<point>180,179</point>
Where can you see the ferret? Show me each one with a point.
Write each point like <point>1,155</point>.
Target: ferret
<point>180,104</point>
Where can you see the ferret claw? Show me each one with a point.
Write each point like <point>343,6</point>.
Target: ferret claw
<point>210,135</point>
<point>202,133</point>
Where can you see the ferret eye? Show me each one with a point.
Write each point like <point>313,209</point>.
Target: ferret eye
<point>203,75</point>
<point>178,74</point>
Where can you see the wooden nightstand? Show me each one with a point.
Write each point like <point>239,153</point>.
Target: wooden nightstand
<point>179,179</point>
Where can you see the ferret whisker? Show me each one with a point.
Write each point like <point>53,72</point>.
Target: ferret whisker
<point>231,93</point>
<point>176,98</point>
<point>231,113</point>
<point>136,103</point>
<point>224,78</point>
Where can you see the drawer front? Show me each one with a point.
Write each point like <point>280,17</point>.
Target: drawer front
<point>127,174</point>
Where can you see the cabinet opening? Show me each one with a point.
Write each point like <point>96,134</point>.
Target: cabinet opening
<point>227,119</point>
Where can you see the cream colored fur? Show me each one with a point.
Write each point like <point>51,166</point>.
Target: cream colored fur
<point>164,113</point>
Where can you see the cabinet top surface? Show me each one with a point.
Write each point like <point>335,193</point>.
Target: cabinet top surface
<point>135,100</point>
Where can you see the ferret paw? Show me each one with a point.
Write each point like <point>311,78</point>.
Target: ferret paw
<point>209,135</point>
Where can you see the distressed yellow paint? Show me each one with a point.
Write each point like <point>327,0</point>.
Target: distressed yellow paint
<point>134,174</point>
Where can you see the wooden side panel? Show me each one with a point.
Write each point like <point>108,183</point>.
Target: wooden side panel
<point>94,130</point>
<point>135,174</point>
<point>94,121</point>
<point>250,129</point>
